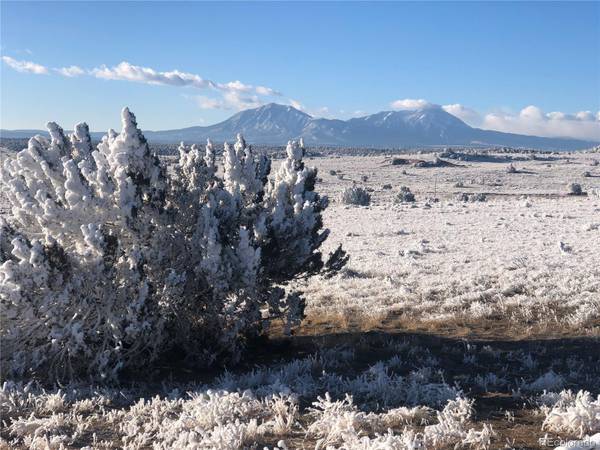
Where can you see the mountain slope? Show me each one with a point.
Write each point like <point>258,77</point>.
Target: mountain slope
<point>269,124</point>
<point>276,124</point>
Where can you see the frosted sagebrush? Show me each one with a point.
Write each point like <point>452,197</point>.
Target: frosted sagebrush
<point>476,197</point>
<point>404,195</point>
<point>355,195</point>
<point>109,259</point>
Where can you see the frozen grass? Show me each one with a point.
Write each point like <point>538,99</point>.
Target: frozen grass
<point>237,411</point>
<point>370,391</point>
<point>575,413</point>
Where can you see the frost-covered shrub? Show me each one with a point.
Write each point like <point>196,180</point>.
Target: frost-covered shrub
<point>355,195</point>
<point>110,260</point>
<point>404,196</point>
<point>477,197</point>
<point>575,189</point>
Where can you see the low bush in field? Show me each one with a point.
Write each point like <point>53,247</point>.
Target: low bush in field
<point>477,197</point>
<point>405,195</point>
<point>356,195</point>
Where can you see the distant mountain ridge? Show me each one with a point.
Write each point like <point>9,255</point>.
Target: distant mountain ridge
<point>276,124</point>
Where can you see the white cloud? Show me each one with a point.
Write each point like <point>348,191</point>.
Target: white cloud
<point>25,66</point>
<point>464,113</point>
<point>204,102</point>
<point>296,104</point>
<point>556,115</point>
<point>531,113</point>
<point>410,103</point>
<point>71,71</point>
<point>233,100</point>
<point>238,101</point>
<point>129,72</point>
<point>262,90</point>
<point>235,86</point>
<point>235,94</point>
<point>533,121</point>
<point>585,115</point>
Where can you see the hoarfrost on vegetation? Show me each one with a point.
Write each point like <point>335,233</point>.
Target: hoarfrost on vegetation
<point>110,260</point>
<point>356,195</point>
<point>405,195</point>
<point>574,413</point>
<point>236,411</point>
<point>328,399</point>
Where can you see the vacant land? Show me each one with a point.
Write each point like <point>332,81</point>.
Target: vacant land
<point>523,263</point>
<point>461,320</point>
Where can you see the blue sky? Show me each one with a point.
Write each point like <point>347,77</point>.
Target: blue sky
<point>505,66</point>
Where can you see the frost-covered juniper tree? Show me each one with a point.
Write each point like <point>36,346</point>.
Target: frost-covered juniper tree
<point>109,260</point>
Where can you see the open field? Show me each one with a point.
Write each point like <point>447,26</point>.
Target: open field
<point>467,324</point>
<point>523,263</point>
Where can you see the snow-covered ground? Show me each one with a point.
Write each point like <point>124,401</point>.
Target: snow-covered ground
<point>528,257</point>
<point>487,316</point>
